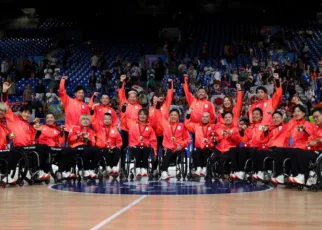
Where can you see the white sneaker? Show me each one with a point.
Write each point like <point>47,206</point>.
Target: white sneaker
<point>115,170</point>
<point>164,176</point>
<point>28,175</point>
<point>108,169</point>
<point>312,179</point>
<point>42,175</point>
<point>240,175</point>
<point>138,172</point>
<point>87,173</point>
<point>144,172</point>
<point>10,180</point>
<point>93,174</point>
<point>203,172</point>
<point>278,180</point>
<point>299,179</point>
<point>155,172</point>
<point>197,172</point>
<point>66,174</point>
<point>260,175</point>
<point>255,176</point>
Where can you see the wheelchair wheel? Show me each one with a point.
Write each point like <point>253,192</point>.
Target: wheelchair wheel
<point>319,169</point>
<point>300,186</point>
<point>21,183</point>
<point>57,176</point>
<point>131,176</point>
<point>100,177</point>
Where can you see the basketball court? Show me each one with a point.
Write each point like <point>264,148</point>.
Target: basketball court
<point>144,204</point>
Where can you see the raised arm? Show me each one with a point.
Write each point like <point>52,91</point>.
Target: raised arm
<point>169,96</point>
<point>277,96</point>
<point>62,92</point>
<point>239,102</point>
<point>190,126</point>
<point>189,96</point>
<point>121,90</point>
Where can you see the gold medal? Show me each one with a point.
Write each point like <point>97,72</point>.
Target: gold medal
<point>205,140</point>
<point>173,138</point>
<point>11,135</point>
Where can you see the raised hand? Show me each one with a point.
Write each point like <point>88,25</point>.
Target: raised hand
<point>96,94</point>
<point>5,86</point>
<point>123,77</point>
<point>96,104</point>
<point>185,77</point>
<point>37,120</point>
<point>190,110</point>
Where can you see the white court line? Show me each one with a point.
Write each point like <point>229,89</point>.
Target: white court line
<point>98,226</point>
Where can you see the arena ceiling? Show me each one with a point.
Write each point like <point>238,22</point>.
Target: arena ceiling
<point>46,8</point>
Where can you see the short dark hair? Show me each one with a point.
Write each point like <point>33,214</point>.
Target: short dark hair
<point>300,107</point>
<point>278,112</point>
<point>228,112</point>
<point>26,108</point>
<point>261,88</point>
<point>107,114</point>
<point>259,110</point>
<point>78,88</point>
<point>175,110</point>
<point>317,110</point>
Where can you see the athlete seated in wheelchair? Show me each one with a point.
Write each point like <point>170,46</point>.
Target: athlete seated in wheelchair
<point>254,137</point>
<point>109,140</point>
<point>309,153</point>
<point>53,136</point>
<point>9,158</point>
<point>226,137</point>
<point>142,140</point>
<point>81,140</point>
<point>204,142</point>
<point>175,139</point>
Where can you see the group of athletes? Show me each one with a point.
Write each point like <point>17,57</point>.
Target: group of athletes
<point>94,130</point>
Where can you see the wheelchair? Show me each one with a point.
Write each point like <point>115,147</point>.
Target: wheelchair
<point>33,175</point>
<point>192,167</point>
<point>102,163</point>
<point>53,159</point>
<point>217,170</point>
<point>22,168</point>
<point>130,159</point>
<point>180,162</point>
<point>316,167</point>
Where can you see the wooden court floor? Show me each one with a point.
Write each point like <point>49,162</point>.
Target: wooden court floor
<point>39,208</point>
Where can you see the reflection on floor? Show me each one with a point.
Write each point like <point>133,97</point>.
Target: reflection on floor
<point>172,187</point>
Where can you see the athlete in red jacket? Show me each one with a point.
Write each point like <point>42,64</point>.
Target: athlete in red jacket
<point>302,158</point>
<point>74,108</point>
<point>81,139</point>
<point>109,140</point>
<point>53,136</point>
<point>141,139</point>
<point>99,110</point>
<point>278,142</point>
<point>200,104</point>
<point>204,140</point>
<point>25,137</point>
<point>228,106</point>
<point>227,137</point>
<point>267,106</point>
<point>11,155</point>
<point>175,139</point>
